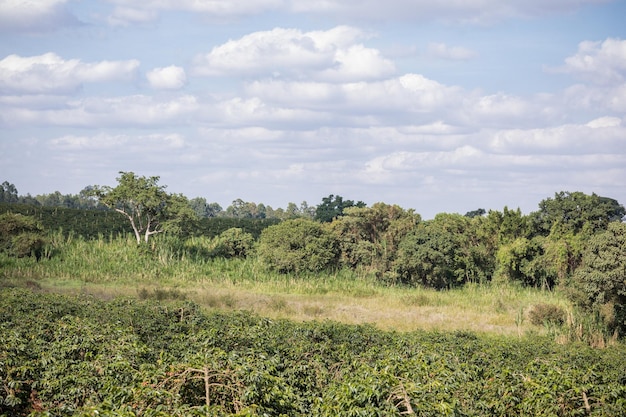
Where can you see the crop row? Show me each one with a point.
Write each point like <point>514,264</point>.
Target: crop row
<point>65,355</point>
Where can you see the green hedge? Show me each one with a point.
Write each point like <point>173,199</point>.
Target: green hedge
<point>93,223</point>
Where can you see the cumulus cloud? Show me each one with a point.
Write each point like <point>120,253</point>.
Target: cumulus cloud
<point>167,78</point>
<point>51,74</point>
<point>125,111</point>
<point>567,139</point>
<point>35,16</point>
<point>332,55</point>
<point>598,62</point>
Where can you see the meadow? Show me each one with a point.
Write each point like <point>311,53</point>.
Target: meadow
<point>115,266</point>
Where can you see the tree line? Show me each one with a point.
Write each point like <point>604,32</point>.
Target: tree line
<point>238,209</point>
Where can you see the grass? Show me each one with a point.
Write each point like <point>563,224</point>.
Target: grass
<point>115,266</point>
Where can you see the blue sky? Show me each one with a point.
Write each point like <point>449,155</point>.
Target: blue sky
<point>441,106</point>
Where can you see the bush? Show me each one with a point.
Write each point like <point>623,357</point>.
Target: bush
<point>21,235</point>
<point>233,243</point>
<point>298,245</point>
<point>547,314</point>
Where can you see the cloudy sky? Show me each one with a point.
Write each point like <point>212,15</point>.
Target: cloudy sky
<point>439,106</point>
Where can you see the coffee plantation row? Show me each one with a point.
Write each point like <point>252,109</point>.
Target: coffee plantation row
<point>78,355</point>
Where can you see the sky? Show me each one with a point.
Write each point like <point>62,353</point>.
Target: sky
<point>437,106</point>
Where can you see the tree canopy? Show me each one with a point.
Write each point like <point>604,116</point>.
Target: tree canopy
<point>333,206</point>
<point>146,204</point>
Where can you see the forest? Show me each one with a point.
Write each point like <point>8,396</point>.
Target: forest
<point>156,323</point>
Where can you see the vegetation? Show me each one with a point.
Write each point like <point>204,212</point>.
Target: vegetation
<point>21,235</point>
<point>79,356</point>
<point>511,309</point>
<point>146,205</point>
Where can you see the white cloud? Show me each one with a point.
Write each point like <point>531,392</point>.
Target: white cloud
<point>51,74</point>
<point>34,16</point>
<point>455,53</point>
<point>332,55</point>
<point>569,139</point>
<point>599,62</point>
<point>97,112</point>
<point>410,94</point>
<point>124,143</point>
<point>125,16</point>
<point>167,78</point>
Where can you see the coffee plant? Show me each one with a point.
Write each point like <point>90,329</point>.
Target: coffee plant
<point>76,355</point>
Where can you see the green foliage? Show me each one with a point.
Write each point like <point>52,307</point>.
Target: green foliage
<point>333,207</point>
<point>8,193</point>
<point>576,212</point>
<point>298,245</point>
<point>369,236</point>
<point>443,253</point>
<point>87,223</point>
<point>233,243</point>
<point>21,235</point>
<point>146,205</point>
<point>80,356</point>
<point>601,280</point>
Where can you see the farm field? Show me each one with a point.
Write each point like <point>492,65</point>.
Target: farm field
<point>233,325</point>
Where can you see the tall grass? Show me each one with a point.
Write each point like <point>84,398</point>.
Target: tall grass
<point>114,265</point>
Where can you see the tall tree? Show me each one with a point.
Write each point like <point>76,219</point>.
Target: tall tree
<point>601,280</point>
<point>8,193</point>
<point>148,207</point>
<point>576,212</point>
<point>333,207</point>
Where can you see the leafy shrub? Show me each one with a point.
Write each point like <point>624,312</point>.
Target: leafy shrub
<point>233,243</point>
<point>546,314</point>
<point>298,245</point>
<point>21,235</point>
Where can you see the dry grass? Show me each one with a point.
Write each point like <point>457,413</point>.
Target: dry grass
<point>491,309</point>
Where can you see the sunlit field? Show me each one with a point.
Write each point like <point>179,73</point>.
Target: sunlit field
<point>111,267</point>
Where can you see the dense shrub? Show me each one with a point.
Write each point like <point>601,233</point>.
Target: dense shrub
<point>298,245</point>
<point>233,243</point>
<point>21,235</point>
<point>546,314</point>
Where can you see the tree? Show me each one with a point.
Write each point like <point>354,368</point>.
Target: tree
<point>475,213</point>
<point>576,212</point>
<point>146,205</point>
<point>442,253</point>
<point>298,245</point>
<point>601,279</point>
<point>199,206</point>
<point>332,207</point>
<point>369,236</point>
<point>8,193</point>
